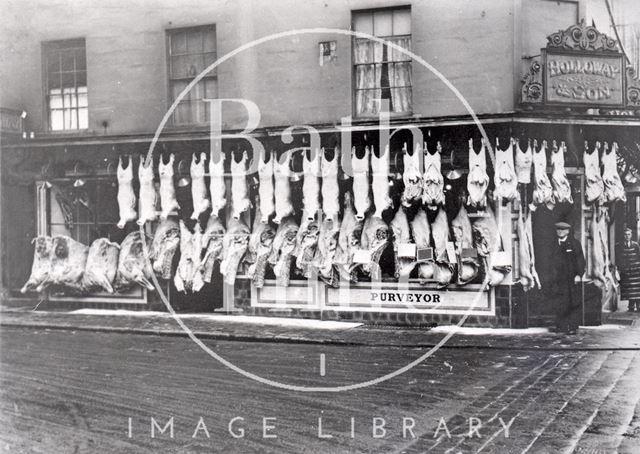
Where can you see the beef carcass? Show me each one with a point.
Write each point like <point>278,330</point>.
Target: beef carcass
<point>168,201</point>
<point>487,240</point>
<point>348,241</point>
<point>443,272</point>
<point>281,173</point>
<point>401,235</point>
<point>265,187</point>
<point>504,178</point>
<point>217,185</point>
<point>306,245</point>
<point>380,181</point>
<point>432,180</point>
<point>542,190</point>
<point>126,196</point>
<point>421,232</point>
<point>411,176</point>
<point>201,202</point>
<point>330,187</point>
<point>477,179</point>
<point>375,239</point>
<point>41,264</point>
<point>326,252</point>
<point>148,194</point>
<point>234,246</point>
<point>594,190</point>
<point>132,265</point>
<point>561,186</point>
<point>68,262</point>
<point>463,240</point>
<point>524,163</point>
<point>282,250</point>
<point>190,247</point>
<point>613,189</point>
<point>239,187</point>
<point>311,184</point>
<point>259,249</point>
<point>164,246</point>
<point>361,186</point>
<point>599,248</point>
<point>102,265</point>
<point>528,275</point>
<point>212,239</point>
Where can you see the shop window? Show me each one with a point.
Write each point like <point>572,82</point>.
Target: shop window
<point>190,51</point>
<point>65,70</point>
<point>380,71</point>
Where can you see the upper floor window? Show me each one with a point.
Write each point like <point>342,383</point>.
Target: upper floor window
<point>380,71</point>
<point>65,68</point>
<point>191,50</point>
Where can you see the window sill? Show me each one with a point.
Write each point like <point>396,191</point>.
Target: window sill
<point>392,116</point>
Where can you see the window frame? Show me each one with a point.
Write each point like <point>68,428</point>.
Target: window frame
<point>46,49</point>
<point>213,75</point>
<point>354,39</point>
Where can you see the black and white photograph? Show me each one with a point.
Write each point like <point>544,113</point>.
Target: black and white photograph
<point>321,226</point>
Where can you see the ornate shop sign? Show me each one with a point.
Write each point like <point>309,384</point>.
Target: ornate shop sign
<point>581,67</point>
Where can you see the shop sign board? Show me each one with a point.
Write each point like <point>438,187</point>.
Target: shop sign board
<point>10,121</point>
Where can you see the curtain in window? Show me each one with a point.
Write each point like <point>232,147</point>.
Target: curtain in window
<point>400,75</point>
<point>368,75</point>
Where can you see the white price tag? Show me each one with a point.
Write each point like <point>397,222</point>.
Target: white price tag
<point>362,256</point>
<point>451,252</point>
<point>407,250</point>
<point>502,258</point>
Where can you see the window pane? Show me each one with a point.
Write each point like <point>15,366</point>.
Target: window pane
<point>56,120</point>
<point>55,101</point>
<point>402,22</point>
<point>83,118</point>
<point>210,58</point>
<point>176,88</point>
<point>198,111</point>
<point>73,114</point>
<point>67,60</point>
<point>68,80</point>
<point>394,54</point>
<point>178,43</point>
<point>67,119</point>
<point>182,114</point>
<point>211,88</point>
<point>81,78</point>
<point>210,40</point>
<point>81,59</point>
<point>53,62</point>
<point>382,23</point>
<point>363,22</point>
<point>82,99</point>
<point>194,42</point>
<point>54,80</point>
<point>178,67</point>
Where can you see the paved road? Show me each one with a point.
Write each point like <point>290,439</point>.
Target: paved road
<point>74,392</point>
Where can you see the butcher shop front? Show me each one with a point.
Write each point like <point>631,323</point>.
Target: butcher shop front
<point>416,221</point>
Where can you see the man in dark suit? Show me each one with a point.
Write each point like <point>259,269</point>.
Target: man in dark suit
<point>568,263</point>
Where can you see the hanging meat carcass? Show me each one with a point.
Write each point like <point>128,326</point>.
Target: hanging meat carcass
<point>528,275</point>
<point>41,265</point>
<point>212,239</point>
<point>542,190</point>
<point>259,249</point>
<point>68,262</point>
<point>380,181</point>
<point>239,187</point>
<point>432,180</point>
<point>361,185</point>
<point>443,272</point>
<point>421,232</point>
<point>594,189</point>
<point>265,187</point>
<point>132,264</point>
<point>281,173</point>
<point>330,187</point>
<point>561,186</point>
<point>306,245</point>
<point>282,251</point>
<point>613,188</point>
<point>148,194</point>
<point>348,241</point>
<point>190,246</point>
<point>504,178</point>
<point>199,193</point>
<point>477,180</point>
<point>524,163</point>
<point>375,239</point>
<point>487,240</point>
<point>217,185</point>
<point>463,239</point>
<point>126,196</point>
<point>411,176</point>
<point>166,241</point>
<point>102,265</point>
<point>401,235</point>
<point>168,201</point>
<point>235,243</point>
<point>326,252</point>
<point>599,248</point>
<point>311,184</point>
